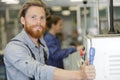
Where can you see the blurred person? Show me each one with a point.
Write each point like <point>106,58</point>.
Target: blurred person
<point>25,56</point>
<point>56,53</point>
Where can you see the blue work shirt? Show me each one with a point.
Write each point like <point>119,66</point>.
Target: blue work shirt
<point>19,63</point>
<point>56,53</point>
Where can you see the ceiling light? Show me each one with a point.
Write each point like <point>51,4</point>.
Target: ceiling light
<point>73,8</point>
<point>11,1</point>
<point>86,12</point>
<point>56,8</point>
<point>66,12</point>
<point>48,0</point>
<point>101,7</point>
<point>76,0</point>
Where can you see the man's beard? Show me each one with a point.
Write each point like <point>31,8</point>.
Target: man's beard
<point>35,33</point>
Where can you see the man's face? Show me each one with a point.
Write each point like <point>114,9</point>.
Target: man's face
<point>34,21</point>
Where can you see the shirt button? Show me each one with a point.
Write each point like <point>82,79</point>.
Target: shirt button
<point>26,62</point>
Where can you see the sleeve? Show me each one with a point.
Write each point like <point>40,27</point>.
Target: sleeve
<point>18,56</point>
<point>56,52</point>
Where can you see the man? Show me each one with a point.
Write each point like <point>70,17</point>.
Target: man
<point>24,55</point>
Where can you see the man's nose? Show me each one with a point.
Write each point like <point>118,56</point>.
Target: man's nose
<point>40,19</point>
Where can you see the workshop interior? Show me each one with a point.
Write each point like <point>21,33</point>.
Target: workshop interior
<point>94,24</point>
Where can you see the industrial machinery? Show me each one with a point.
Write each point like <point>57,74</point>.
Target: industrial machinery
<point>107,55</point>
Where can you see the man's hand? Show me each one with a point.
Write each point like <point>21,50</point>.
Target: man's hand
<point>88,71</point>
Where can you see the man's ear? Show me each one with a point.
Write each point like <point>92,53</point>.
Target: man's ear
<point>22,20</point>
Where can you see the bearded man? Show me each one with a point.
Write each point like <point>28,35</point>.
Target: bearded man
<point>25,55</point>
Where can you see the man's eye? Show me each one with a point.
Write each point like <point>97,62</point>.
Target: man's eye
<point>33,17</point>
<point>43,18</point>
